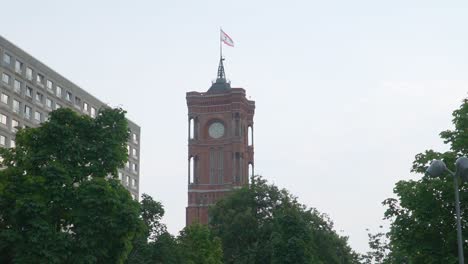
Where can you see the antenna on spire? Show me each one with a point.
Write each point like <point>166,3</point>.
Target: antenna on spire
<point>221,74</point>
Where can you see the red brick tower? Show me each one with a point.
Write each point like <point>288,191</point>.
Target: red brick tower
<point>220,145</point>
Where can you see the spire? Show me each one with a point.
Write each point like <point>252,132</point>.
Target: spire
<point>221,74</point>
<point>221,84</point>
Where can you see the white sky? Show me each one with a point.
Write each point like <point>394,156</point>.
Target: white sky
<point>347,92</point>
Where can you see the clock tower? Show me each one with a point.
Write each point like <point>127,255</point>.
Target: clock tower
<point>220,145</point>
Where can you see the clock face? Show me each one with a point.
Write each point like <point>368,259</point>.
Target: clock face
<point>216,130</point>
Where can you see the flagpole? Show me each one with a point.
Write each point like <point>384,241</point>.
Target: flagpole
<point>220,44</point>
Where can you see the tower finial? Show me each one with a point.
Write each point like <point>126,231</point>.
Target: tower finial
<point>221,74</point>
<point>221,84</point>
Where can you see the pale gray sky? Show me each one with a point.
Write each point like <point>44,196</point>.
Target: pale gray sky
<point>347,92</point>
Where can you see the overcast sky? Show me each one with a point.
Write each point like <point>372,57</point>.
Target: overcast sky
<point>347,92</point>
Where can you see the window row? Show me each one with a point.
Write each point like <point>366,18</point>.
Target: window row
<point>128,181</point>
<point>27,113</point>
<point>132,152</point>
<point>4,141</point>
<point>41,81</point>
<point>23,109</point>
<point>41,99</point>
<point>131,165</point>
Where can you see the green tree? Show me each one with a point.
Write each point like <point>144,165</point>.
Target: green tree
<point>263,224</point>
<point>155,244</point>
<point>166,250</point>
<point>379,249</point>
<point>197,245</point>
<point>57,203</point>
<point>423,226</point>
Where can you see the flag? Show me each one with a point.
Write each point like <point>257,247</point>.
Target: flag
<point>226,39</point>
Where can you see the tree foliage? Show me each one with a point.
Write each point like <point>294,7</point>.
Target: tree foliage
<point>423,222</point>
<point>195,244</point>
<point>155,244</point>
<point>57,203</point>
<point>263,224</point>
<point>199,246</point>
<point>379,249</point>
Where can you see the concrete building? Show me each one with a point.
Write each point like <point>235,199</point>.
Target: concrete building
<point>29,90</point>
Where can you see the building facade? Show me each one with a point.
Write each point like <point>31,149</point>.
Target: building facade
<point>220,145</point>
<point>29,90</point>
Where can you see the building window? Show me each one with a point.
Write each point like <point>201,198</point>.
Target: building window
<point>5,78</point>
<point>39,97</point>
<point>40,79</point>
<point>27,112</point>
<point>7,58</point>
<point>12,143</point>
<point>68,96</point>
<point>77,101</point>
<point>29,73</point>
<point>135,138</point>
<point>48,103</point>
<point>17,86</point>
<point>127,165</point>
<point>85,106</point>
<point>4,98</point>
<point>212,166</point>
<point>57,106</point>
<point>2,140</point>
<point>18,66</point>
<point>49,84</point>
<point>16,106</point>
<point>37,116</point>
<point>93,112</point>
<point>134,183</point>
<point>134,153</point>
<point>58,91</point>
<point>120,176</point>
<point>14,125</point>
<point>220,167</point>
<point>29,91</point>
<point>3,119</point>
<point>134,167</point>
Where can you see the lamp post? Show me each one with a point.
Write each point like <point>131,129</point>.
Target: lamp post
<point>437,169</point>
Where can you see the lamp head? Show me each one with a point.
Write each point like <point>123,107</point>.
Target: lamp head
<point>437,168</point>
<point>462,168</point>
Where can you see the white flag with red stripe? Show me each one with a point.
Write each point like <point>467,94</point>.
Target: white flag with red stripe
<point>226,39</point>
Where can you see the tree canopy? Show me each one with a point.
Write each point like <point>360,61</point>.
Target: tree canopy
<point>199,246</point>
<point>59,199</point>
<point>263,224</point>
<point>195,244</point>
<point>423,222</point>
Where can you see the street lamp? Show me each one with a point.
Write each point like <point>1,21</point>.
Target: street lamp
<point>437,169</point>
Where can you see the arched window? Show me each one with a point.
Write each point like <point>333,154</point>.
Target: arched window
<point>251,170</point>
<point>250,135</point>
<point>191,170</point>
<point>220,166</point>
<point>237,125</point>
<point>191,128</point>
<point>212,166</point>
<point>238,168</point>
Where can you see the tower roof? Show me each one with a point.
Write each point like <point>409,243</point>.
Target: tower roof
<point>221,84</point>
